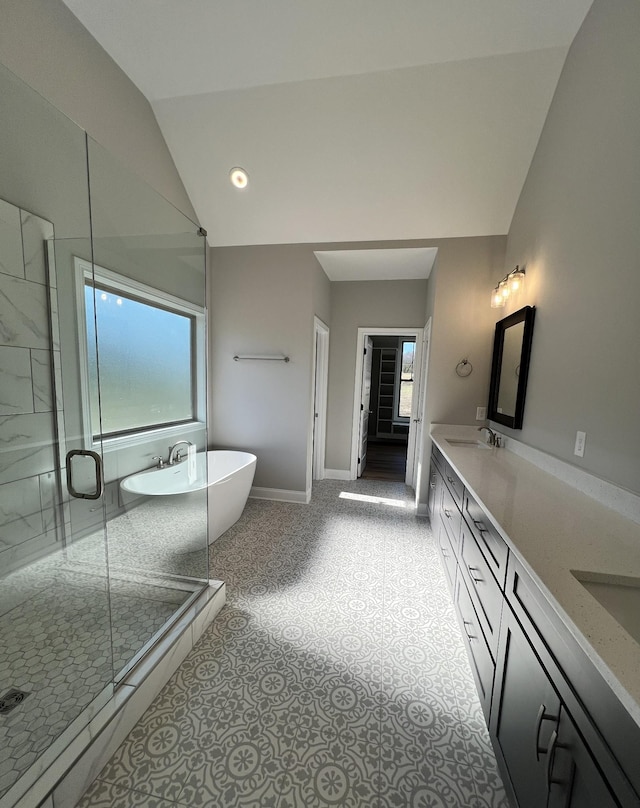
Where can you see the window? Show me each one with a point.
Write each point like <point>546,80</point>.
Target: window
<point>404,382</point>
<point>149,349</point>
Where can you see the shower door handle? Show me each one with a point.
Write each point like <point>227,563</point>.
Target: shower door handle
<point>99,482</point>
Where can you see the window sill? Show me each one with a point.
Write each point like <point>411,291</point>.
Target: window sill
<point>179,431</point>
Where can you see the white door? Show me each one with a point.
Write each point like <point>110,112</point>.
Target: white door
<point>365,403</point>
<point>418,416</point>
<point>321,381</point>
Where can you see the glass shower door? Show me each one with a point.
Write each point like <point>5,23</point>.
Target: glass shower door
<point>144,303</point>
<point>55,629</point>
<point>90,574</point>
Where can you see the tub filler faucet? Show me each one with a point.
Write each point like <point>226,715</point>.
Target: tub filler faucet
<point>175,452</point>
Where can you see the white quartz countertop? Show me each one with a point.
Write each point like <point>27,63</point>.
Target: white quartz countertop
<point>553,529</point>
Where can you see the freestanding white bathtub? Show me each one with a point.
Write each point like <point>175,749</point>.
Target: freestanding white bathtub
<point>228,479</point>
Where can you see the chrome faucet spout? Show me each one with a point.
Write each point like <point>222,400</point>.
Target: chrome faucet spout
<point>493,439</point>
<point>175,452</point>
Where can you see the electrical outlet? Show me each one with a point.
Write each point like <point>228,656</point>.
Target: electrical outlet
<point>581,438</point>
<point>481,413</point>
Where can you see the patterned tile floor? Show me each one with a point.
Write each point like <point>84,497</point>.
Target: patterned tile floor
<point>335,675</point>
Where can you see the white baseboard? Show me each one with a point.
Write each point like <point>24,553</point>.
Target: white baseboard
<point>280,495</point>
<point>337,474</point>
<point>422,510</point>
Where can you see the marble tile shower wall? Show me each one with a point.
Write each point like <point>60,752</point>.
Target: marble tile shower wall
<point>28,413</point>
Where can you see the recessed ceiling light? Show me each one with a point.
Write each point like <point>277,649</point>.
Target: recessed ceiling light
<point>239,177</point>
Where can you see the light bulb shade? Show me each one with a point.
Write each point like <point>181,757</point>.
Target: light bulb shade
<point>497,300</point>
<point>503,286</point>
<point>239,177</point>
<point>516,280</point>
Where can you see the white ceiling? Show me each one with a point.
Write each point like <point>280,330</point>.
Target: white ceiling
<point>357,120</point>
<point>408,263</point>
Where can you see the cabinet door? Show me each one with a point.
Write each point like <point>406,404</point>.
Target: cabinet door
<point>450,517</point>
<point>434,481</point>
<point>525,716</point>
<point>574,780</point>
<point>483,588</point>
<point>482,665</point>
<point>448,557</point>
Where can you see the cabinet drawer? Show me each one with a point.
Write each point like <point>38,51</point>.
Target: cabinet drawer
<point>454,484</point>
<point>482,665</point>
<point>448,557</point>
<point>483,588</point>
<point>451,518</point>
<point>434,494</point>
<point>438,458</point>
<point>489,541</point>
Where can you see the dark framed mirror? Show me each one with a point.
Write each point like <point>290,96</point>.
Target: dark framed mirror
<point>510,367</point>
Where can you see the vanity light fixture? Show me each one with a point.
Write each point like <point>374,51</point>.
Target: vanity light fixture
<point>516,280</point>
<point>497,301</point>
<point>239,177</point>
<point>510,284</point>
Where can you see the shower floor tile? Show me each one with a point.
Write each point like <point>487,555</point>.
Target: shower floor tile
<point>335,675</point>
<point>63,635</point>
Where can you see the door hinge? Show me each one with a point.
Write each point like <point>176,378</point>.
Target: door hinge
<point>361,407</point>
<point>365,351</point>
<point>359,460</point>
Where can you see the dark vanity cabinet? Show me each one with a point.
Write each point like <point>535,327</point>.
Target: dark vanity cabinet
<point>540,746</point>
<point>562,738</point>
<point>526,717</point>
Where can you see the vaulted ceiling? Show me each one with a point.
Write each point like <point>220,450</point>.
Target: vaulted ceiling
<point>356,120</point>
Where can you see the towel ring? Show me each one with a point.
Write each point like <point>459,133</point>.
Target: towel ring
<point>464,368</point>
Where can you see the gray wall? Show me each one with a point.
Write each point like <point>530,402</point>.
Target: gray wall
<point>360,304</point>
<point>460,287</point>
<point>458,299</point>
<point>262,301</point>
<point>576,230</point>
<point>45,45</point>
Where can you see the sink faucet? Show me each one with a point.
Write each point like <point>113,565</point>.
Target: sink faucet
<point>494,438</point>
<point>175,453</point>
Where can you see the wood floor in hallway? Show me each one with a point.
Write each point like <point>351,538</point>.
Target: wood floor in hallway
<point>386,461</point>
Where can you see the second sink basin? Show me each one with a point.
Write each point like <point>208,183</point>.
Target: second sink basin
<point>618,594</point>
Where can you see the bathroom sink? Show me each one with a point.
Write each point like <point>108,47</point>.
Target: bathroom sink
<point>618,594</point>
<point>467,443</point>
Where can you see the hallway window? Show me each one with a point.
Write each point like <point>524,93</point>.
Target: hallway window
<point>405,380</point>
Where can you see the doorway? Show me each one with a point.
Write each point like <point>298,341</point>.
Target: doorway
<point>387,403</point>
<point>320,386</point>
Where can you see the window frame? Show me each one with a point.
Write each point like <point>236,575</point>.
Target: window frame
<point>397,418</point>
<point>97,277</point>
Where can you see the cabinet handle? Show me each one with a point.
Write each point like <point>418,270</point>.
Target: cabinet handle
<point>551,756</point>
<point>432,485</point>
<point>466,623</point>
<point>444,552</point>
<point>543,715</point>
<point>447,513</point>
<point>479,525</point>
<point>451,480</point>
<point>473,577</point>
<point>551,759</point>
<point>569,777</point>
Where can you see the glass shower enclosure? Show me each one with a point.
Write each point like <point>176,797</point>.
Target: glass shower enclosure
<point>102,370</point>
